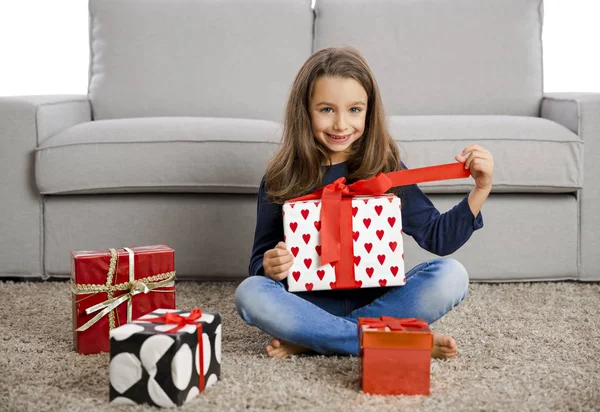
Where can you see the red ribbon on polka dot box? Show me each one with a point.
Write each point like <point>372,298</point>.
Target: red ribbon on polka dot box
<point>165,358</point>
<point>350,236</point>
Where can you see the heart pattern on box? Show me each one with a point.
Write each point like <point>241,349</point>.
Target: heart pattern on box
<point>377,241</point>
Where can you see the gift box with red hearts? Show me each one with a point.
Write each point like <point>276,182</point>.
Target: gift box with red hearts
<point>394,356</point>
<point>112,287</point>
<point>350,236</point>
<point>376,249</point>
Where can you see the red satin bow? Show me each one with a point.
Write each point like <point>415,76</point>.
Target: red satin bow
<point>334,221</point>
<point>178,320</point>
<point>394,323</point>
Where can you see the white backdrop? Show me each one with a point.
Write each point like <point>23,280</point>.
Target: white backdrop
<point>44,46</point>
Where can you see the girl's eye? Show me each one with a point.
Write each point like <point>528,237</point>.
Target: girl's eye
<point>354,108</point>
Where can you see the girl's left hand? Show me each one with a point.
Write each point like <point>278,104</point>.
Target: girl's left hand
<point>480,163</point>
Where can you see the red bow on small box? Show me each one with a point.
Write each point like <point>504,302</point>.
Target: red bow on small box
<point>393,323</point>
<point>179,323</point>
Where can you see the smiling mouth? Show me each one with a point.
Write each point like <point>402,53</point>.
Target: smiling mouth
<point>338,138</point>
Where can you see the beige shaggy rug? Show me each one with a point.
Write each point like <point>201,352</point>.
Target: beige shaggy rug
<point>522,347</point>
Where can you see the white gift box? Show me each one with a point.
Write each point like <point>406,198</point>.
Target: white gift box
<point>378,252</point>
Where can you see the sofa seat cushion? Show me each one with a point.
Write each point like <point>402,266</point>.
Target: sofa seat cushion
<point>160,154</point>
<point>221,155</point>
<point>531,154</point>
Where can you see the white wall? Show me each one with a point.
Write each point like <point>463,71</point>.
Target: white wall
<point>44,46</point>
<point>571,41</point>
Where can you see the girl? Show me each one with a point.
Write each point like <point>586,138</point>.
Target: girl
<point>335,126</point>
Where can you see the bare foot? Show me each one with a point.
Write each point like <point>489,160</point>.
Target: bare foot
<point>281,349</point>
<point>444,346</point>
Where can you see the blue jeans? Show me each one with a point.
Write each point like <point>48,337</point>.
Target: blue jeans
<point>326,321</point>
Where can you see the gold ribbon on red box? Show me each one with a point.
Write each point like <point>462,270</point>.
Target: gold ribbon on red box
<point>133,287</point>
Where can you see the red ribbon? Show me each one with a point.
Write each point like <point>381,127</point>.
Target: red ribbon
<point>180,322</point>
<point>336,210</point>
<point>393,323</point>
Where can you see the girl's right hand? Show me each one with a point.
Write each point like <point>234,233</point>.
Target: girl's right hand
<point>277,262</point>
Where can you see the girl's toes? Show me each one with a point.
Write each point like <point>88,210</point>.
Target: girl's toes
<point>272,349</point>
<point>450,353</point>
<point>448,341</point>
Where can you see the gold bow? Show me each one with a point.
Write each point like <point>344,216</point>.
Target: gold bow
<point>134,287</point>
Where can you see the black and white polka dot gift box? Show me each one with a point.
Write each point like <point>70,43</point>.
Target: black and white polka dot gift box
<point>165,358</point>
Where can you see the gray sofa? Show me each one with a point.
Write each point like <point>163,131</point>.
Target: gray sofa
<point>184,108</point>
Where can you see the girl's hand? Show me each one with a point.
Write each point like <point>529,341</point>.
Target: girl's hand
<point>277,262</point>
<point>480,163</point>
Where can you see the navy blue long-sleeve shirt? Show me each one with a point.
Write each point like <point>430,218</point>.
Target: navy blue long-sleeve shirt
<point>441,234</point>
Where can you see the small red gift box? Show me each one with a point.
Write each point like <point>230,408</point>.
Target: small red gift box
<point>112,287</point>
<point>394,355</point>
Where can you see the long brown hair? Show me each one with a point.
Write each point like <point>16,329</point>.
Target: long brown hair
<point>295,169</point>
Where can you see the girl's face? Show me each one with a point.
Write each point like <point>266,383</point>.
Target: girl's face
<point>338,108</point>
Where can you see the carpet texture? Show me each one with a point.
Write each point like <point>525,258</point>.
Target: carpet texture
<point>521,347</point>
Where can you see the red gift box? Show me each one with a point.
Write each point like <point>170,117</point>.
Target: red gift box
<point>113,287</point>
<point>394,355</point>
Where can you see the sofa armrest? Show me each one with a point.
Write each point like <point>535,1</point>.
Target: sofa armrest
<point>580,113</point>
<point>25,121</point>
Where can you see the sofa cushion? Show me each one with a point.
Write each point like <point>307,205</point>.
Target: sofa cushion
<point>230,155</point>
<point>176,154</point>
<point>233,58</point>
<point>530,154</point>
<point>441,57</point>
